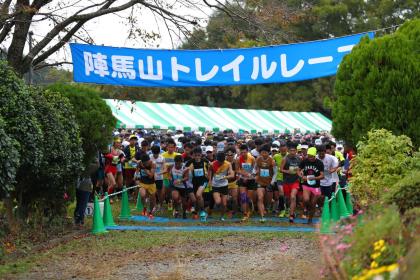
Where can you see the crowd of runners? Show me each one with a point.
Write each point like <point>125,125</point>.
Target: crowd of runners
<point>226,174</point>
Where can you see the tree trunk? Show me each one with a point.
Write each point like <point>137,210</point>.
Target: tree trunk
<point>22,24</point>
<point>11,221</point>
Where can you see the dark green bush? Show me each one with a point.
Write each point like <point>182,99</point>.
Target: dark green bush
<point>94,117</point>
<point>378,86</point>
<point>406,192</point>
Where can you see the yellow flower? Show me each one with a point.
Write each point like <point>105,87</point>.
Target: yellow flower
<point>392,267</point>
<point>383,248</point>
<point>379,244</point>
<point>375,255</point>
<point>381,269</point>
<point>374,264</point>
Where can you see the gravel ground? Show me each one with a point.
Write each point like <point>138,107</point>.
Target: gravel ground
<point>231,257</point>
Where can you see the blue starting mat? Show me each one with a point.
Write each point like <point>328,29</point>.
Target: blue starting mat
<point>216,228</point>
<point>211,219</point>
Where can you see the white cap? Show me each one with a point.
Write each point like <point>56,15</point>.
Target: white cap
<point>209,149</point>
<point>304,147</point>
<point>339,146</point>
<point>125,143</point>
<point>178,144</point>
<point>318,142</point>
<point>276,143</point>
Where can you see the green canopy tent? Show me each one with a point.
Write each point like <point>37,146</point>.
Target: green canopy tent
<point>188,117</point>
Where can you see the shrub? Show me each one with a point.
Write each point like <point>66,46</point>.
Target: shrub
<point>9,161</point>
<point>21,127</point>
<point>382,160</point>
<point>367,251</point>
<point>406,192</point>
<point>62,152</point>
<point>378,86</point>
<point>93,115</point>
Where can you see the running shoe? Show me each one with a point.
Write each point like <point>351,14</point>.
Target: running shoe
<point>282,214</point>
<point>184,215</point>
<point>310,221</point>
<point>245,218</point>
<point>203,216</point>
<point>144,213</point>
<point>291,220</point>
<point>195,216</point>
<point>176,214</point>
<point>151,216</point>
<point>262,220</point>
<point>222,219</point>
<point>170,206</point>
<point>305,214</point>
<point>230,214</point>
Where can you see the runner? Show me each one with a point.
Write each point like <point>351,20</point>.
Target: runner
<point>132,158</point>
<point>198,170</point>
<point>159,162</point>
<point>180,192</point>
<point>209,153</point>
<point>232,184</point>
<point>220,172</point>
<point>289,167</point>
<point>311,170</point>
<point>279,193</point>
<point>266,174</point>
<point>186,155</point>
<point>169,157</point>
<point>112,159</point>
<point>147,184</point>
<point>247,185</point>
<point>256,152</point>
<point>330,167</point>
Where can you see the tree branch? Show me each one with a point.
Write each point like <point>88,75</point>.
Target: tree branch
<point>43,65</point>
<point>72,19</point>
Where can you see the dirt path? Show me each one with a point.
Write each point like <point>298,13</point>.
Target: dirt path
<point>231,257</point>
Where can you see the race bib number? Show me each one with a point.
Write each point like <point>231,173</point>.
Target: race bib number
<point>293,169</point>
<point>133,164</point>
<point>143,173</point>
<point>199,172</point>
<point>115,160</point>
<point>264,173</point>
<point>219,177</point>
<point>247,167</point>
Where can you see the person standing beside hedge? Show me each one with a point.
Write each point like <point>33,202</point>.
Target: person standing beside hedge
<point>83,190</point>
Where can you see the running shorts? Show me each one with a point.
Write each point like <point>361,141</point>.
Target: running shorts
<point>150,188</point>
<point>159,184</point>
<point>111,169</point>
<point>166,183</point>
<point>327,190</point>
<point>251,185</point>
<point>222,190</point>
<point>183,192</point>
<point>232,185</point>
<point>288,187</point>
<point>315,191</point>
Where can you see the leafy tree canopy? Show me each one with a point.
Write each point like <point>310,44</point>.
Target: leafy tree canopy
<point>378,86</point>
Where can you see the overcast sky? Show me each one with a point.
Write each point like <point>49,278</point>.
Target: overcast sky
<point>112,30</point>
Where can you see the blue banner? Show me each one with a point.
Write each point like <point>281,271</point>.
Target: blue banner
<point>182,68</point>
